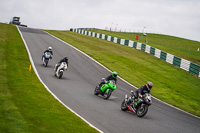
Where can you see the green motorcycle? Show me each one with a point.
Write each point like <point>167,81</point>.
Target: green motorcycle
<point>106,89</point>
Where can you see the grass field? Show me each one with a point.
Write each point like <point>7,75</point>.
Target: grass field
<point>171,84</point>
<point>25,105</point>
<point>183,48</point>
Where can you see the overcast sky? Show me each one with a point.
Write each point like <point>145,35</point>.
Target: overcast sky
<point>172,17</point>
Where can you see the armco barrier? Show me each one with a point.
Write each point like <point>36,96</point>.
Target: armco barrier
<point>126,42</point>
<point>135,45</point>
<point>194,69</point>
<point>152,51</point>
<point>143,47</point>
<point>170,58</point>
<point>163,56</point>
<point>147,50</point>
<point>176,61</point>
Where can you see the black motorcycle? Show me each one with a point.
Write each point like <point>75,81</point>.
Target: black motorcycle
<point>138,106</point>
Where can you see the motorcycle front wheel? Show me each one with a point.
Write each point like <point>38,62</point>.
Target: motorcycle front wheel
<point>107,95</point>
<point>60,75</point>
<point>142,110</point>
<point>46,63</point>
<point>96,91</point>
<point>123,106</point>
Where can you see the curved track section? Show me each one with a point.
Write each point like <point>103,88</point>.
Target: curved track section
<point>76,88</point>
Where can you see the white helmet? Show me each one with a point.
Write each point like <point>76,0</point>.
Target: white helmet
<point>49,48</point>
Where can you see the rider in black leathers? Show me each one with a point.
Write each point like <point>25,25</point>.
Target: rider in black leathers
<point>143,89</point>
<point>138,93</point>
<point>65,59</point>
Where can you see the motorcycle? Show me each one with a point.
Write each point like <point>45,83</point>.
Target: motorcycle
<point>138,106</point>
<point>45,58</point>
<point>106,89</point>
<point>59,71</point>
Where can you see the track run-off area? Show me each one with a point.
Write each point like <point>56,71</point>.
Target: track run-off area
<point>76,91</point>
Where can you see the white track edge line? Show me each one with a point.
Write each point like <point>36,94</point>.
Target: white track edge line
<point>119,76</point>
<point>33,65</point>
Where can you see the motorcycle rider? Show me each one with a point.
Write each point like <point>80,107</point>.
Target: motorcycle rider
<point>138,93</point>
<point>113,76</point>
<point>65,59</point>
<point>48,50</point>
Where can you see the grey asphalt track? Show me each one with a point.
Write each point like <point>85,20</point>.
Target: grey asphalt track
<point>76,90</point>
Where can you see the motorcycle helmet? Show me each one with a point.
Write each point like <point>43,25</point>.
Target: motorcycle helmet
<point>114,74</point>
<point>66,59</point>
<point>49,48</point>
<point>149,85</point>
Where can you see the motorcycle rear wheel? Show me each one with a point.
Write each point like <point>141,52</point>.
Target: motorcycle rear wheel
<point>142,110</point>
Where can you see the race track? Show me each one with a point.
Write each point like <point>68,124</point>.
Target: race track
<point>76,88</point>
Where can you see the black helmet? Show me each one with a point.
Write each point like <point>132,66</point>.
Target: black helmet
<point>114,74</point>
<point>66,59</point>
<point>149,85</point>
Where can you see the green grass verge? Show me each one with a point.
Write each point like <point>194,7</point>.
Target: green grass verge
<point>183,48</point>
<point>25,105</point>
<point>171,84</point>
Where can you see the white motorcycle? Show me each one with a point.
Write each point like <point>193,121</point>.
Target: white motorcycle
<point>46,58</point>
<point>59,71</point>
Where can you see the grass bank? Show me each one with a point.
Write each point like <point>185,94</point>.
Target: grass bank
<point>171,84</point>
<point>183,48</point>
<point>25,105</point>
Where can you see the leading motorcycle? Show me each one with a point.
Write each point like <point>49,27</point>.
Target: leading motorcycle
<point>58,71</point>
<point>46,58</point>
<point>138,106</point>
<point>106,89</point>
